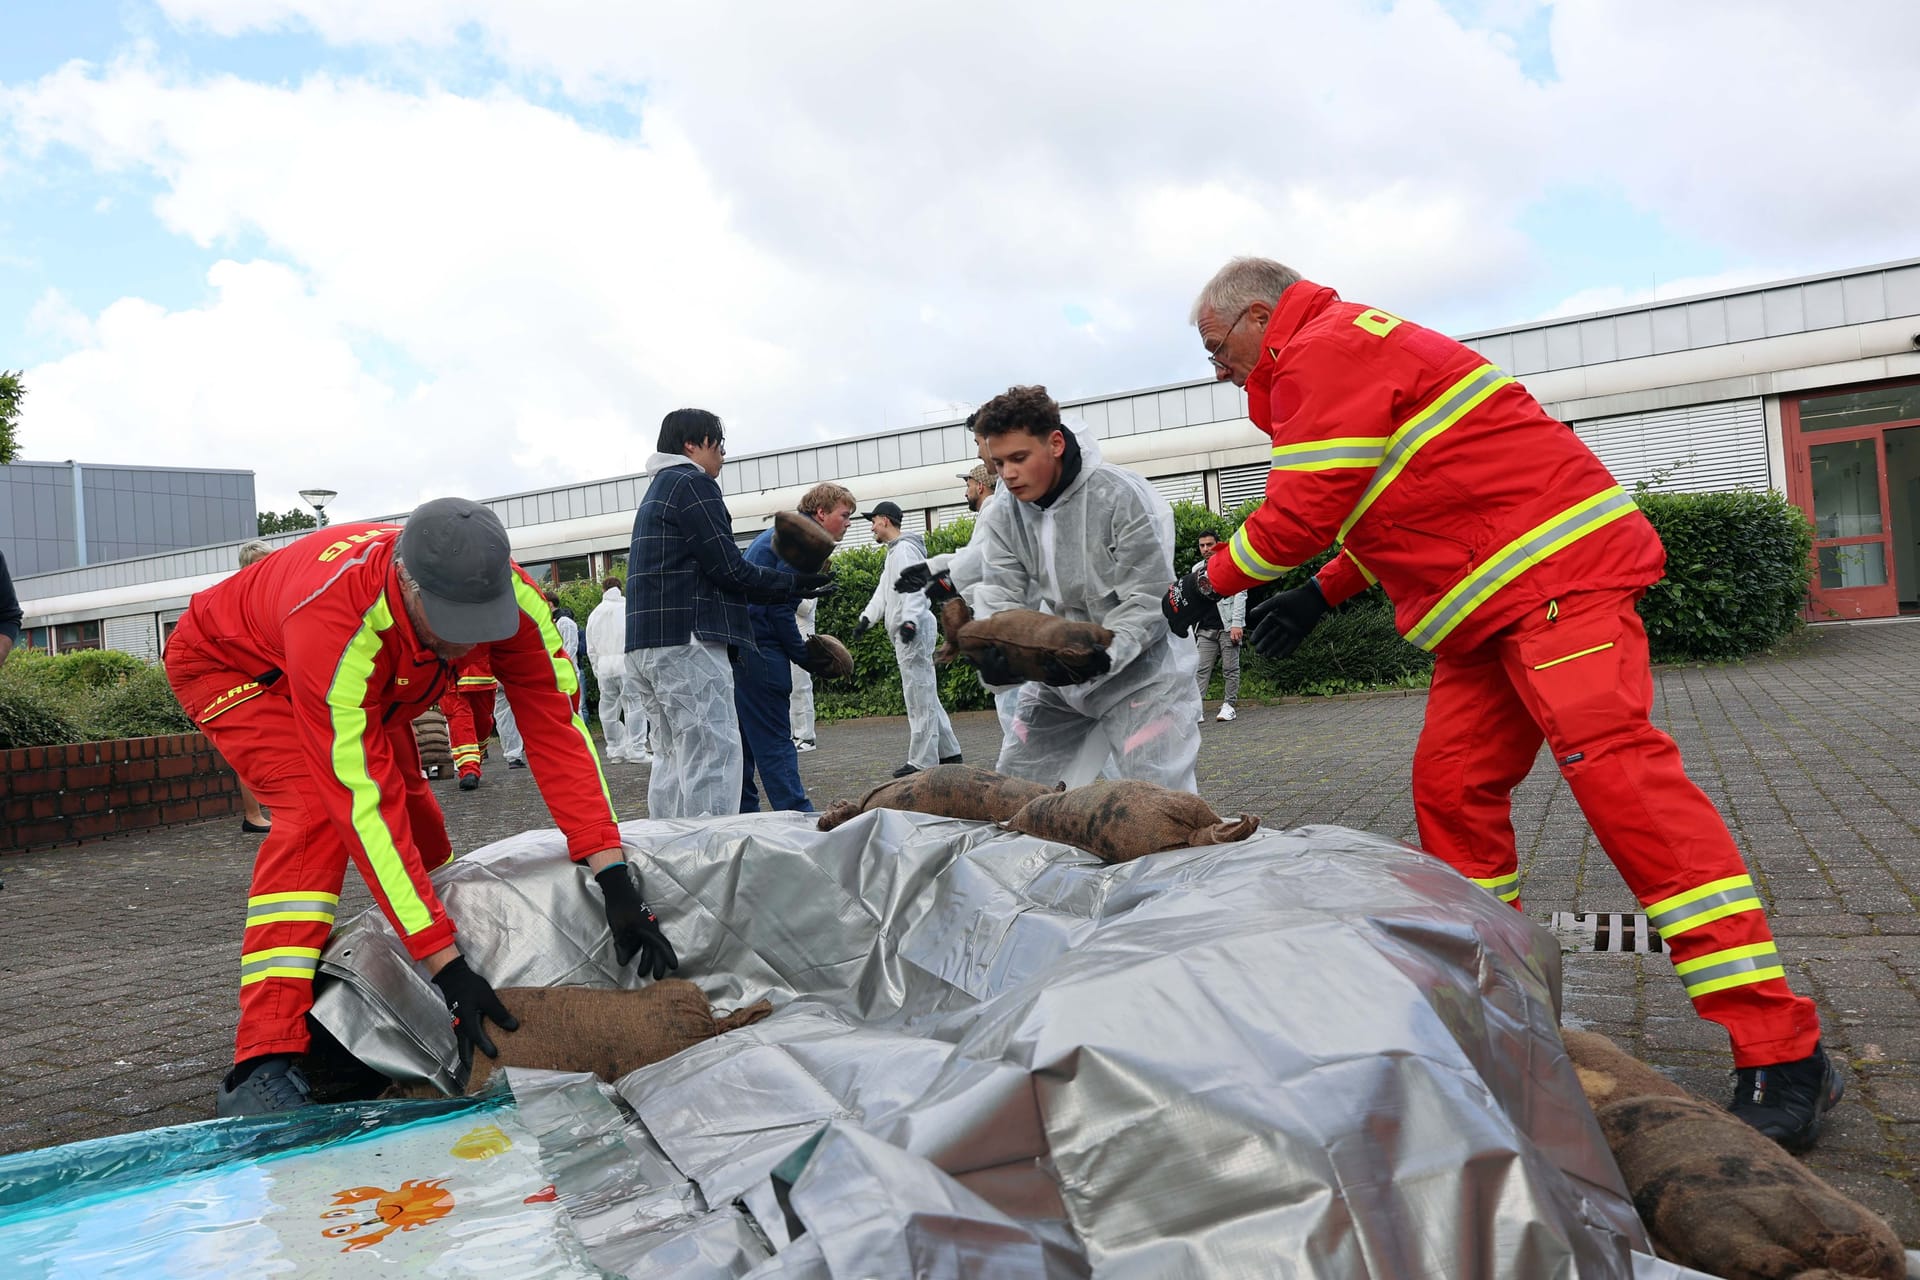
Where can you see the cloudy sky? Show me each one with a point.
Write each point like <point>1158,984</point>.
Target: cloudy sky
<point>400,248</point>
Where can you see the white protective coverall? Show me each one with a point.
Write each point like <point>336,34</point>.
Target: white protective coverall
<point>1103,553</point>
<point>966,567</point>
<point>930,736</point>
<point>622,721</point>
<point>800,703</point>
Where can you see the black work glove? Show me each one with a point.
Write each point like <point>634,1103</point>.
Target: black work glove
<point>914,577</point>
<point>1187,601</point>
<point>636,930</point>
<point>907,632</point>
<point>809,586</point>
<point>472,1000</point>
<point>861,628</point>
<point>1057,670</point>
<point>991,662</point>
<point>1277,625</point>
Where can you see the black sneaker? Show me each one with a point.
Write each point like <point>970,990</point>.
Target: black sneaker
<point>906,770</point>
<point>273,1084</point>
<point>951,760</point>
<point>469,781</point>
<point>515,762</point>
<point>1787,1101</point>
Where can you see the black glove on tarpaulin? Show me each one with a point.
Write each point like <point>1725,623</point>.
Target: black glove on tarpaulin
<point>1276,626</point>
<point>908,631</point>
<point>636,931</point>
<point>1187,601</point>
<point>472,1000</point>
<point>810,586</point>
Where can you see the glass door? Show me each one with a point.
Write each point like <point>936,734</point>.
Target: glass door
<point>1838,476</point>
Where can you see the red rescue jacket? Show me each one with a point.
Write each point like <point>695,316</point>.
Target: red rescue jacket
<point>474,673</point>
<point>1438,476</point>
<point>320,623</point>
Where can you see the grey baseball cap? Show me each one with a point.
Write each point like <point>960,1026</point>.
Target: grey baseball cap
<point>457,553</point>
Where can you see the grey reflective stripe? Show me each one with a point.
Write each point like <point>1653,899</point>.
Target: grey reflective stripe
<point>1665,920</point>
<point>262,912</point>
<point>1750,964</point>
<point>308,964</point>
<point>1471,591</point>
<point>1359,455</point>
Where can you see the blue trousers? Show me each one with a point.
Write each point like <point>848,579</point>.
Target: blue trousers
<point>767,738</point>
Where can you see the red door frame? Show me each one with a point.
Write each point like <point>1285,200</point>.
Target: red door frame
<point>1844,602</point>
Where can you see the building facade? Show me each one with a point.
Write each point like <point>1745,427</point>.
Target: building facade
<point>1810,386</point>
<point>60,515</point>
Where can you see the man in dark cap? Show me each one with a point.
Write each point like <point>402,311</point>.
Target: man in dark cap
<point>306,670</point>
<point>909,621</point>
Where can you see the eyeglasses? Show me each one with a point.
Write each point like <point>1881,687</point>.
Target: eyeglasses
<point>1213,352</point>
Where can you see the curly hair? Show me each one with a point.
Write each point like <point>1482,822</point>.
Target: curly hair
<point>1028,409</point>
<point>827,497</point>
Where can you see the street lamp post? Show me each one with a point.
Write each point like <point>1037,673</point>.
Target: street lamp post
<point>318,500</point>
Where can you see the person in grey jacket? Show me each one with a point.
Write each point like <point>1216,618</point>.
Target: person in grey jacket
<point>1217,638</point>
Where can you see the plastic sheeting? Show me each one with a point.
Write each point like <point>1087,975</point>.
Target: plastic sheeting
<point>1315,1053</point>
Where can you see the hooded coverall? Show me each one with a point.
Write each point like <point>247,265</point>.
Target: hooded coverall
<point>930,736</point>
<point>1101,552</point>
<point>1509,552</point>
<point>468,706</point>
<point>306,673</point>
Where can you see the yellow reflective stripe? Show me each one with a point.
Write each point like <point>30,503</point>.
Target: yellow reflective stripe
<point>1364,571</point>
<point>261,975</point>
<point>279,962</point>
<point>1506,888</point>
<point>1445,409</point>
<point>1598,648</point>
<point>1326,455</point>
<point>484,682</point>
<point>1732,967</point>
<point>345,699</point>
<point>1712,901</point>
<point>1251,562</point>
<point>534,605</point>
<point>1514,559</point>
<point>315,908</point>
<point>297,895</point>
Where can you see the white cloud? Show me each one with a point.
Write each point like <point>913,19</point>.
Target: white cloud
<point>835,218</point>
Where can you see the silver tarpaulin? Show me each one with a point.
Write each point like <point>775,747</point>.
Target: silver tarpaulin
<point>1314,1053</point>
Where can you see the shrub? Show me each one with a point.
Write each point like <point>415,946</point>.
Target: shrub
<point>141,706</point>
<point>93,668</point>
<point>34,712</point>
<point>1738,568</point>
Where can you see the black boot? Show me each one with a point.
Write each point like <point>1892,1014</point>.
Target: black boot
<point>1787,1101</point>
<point>953,759</point>
<point>906,770</point>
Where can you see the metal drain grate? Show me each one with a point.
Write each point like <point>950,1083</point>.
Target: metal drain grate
<point>1621,931</point>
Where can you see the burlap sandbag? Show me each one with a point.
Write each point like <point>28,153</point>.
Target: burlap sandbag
<point>1717,1196</point>
<point>801,542</point>
<point>954,616</point>
<point>606,1031</point>
<point>949,790</point>
<point>430,735</point>
<point>1028,638</point>
<point>835,653</point>
<point>1121,821</point>
<point>1609,1073</point>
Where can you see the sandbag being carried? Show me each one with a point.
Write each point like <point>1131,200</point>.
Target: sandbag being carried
<point>1034,644</point>
<point>830,648</point>
<point>800,541</point>
<point>949,790</point>
<point>431,737</point>
<point>605,1030</point>
<point>1121,821</point>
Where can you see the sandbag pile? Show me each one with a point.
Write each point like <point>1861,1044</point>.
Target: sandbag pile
<point>801,542</point>
<point>1034,644</point>
<point>1121,821</point>
<point>436,748</point>
<point>1714,1194</point>
<point>834,652</point>
<point>947,790</point>
<point>605,1030</point>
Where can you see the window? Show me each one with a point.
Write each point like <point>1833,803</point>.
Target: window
<point>40,638</point>
<point>77,635</point>
<point>573,569</point>
<point>541,572</point>
<point>1860,408</point>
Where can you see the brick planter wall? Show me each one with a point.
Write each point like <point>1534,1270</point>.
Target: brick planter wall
<point>87,790</point>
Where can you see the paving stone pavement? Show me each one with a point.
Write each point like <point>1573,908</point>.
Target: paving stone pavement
<point>117,959</point>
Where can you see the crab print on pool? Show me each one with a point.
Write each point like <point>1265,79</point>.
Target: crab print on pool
<point>415,1204</point>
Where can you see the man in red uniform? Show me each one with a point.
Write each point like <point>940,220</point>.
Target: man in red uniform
<point>468,707</point>
<point>306,671</point>
<point>1509,552</point>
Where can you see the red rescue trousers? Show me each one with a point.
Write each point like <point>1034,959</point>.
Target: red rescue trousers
<point>469,724</point>
<point>301,864</point>
<point>1575,674</point>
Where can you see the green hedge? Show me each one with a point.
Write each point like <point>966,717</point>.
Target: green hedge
<point>1738,569</point>
<point>84,697</point>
